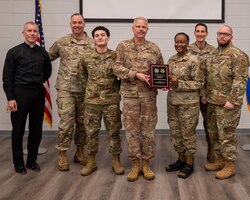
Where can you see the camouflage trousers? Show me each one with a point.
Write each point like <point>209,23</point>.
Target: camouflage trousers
<point>70,110</point>
<point>203,109</point>
<point>140,118</point>
<point>112,121</point>
<point>222,124</point>
<point>182,120</point>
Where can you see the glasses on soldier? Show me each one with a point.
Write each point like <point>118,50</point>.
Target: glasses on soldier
<point>224,34</point>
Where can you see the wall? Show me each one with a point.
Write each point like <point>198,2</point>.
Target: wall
<point>56,14</point>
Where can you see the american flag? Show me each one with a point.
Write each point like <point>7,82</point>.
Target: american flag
<point>41,42</point>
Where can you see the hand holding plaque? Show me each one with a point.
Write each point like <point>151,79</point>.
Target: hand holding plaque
<point>159,76</point>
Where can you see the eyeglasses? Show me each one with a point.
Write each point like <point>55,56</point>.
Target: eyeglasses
<point>224,34</point>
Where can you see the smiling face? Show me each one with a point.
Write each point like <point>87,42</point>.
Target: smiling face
<point>181,43</point>
<point>77,25</point>
<point>200,33</point>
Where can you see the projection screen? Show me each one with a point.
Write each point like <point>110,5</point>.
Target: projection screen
<point>155,10</point>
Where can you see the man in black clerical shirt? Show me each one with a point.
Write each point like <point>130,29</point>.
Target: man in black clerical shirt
<point>27,66</point>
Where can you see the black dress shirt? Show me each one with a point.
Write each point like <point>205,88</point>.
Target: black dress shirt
<point>25,65</point>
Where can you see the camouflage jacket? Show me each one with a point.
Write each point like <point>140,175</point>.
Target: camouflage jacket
<point>200,53</point>
<point>190,79</point>
<point>70,51</point>
<point>132,59</point>
<point>102,85</point>
<point>226,72</point>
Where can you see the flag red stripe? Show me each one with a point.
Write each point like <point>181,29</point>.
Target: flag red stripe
<point>48,113</point>
<point>47,96</point>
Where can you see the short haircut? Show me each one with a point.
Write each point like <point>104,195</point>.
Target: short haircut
<point>77,14</point>
<point>102,28</point>
<point>182,33</point>
<point>140,18</point>
<point>31,23</point>
<point>229,27</point>
<point>200,24</point>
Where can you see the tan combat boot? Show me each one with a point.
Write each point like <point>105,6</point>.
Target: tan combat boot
<point>217,165</point>
<point>146,171</point>
<point>63,164</point>
<point>116,165</point>
<point>227,171</point>
<point>135,171</point>
<point>90,167</point>
<point>79,155</point>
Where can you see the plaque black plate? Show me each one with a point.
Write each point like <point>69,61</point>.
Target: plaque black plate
<point>159,76</point>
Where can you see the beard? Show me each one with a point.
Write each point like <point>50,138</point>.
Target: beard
<point>223,43</point>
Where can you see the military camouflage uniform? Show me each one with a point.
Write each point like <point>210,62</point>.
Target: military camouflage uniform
<point>139,101</point>
<point>102,99</point>
<point>202,54</point>
<point>226,72</point>
<point>183,102</point>
<point>70,90</point>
